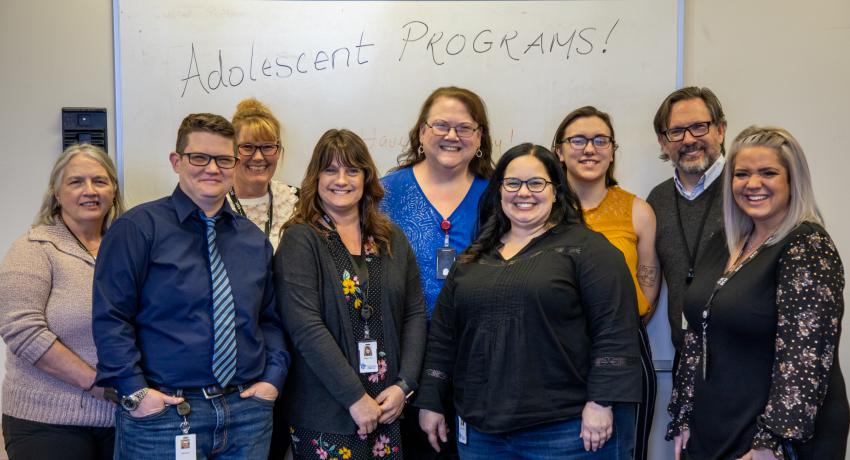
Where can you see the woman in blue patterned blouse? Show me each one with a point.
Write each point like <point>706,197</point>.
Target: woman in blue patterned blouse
<point>433,196</point>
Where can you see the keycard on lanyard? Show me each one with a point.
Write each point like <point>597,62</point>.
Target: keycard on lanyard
<point>445,259</point>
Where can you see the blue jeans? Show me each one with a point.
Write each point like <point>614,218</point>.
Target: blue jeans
<point>226,427</point>
<point>625,424</point>
<point>559,440</point>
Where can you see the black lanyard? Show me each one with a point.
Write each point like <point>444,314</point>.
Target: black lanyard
<point>241,211</point>
<point>692,254</point>
<point>706,310</point>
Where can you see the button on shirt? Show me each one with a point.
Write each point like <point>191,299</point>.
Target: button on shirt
<point>712,173</point>
<point>152,307</point>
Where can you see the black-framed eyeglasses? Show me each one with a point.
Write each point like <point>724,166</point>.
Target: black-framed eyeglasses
<point>697,130</point>
<point>463,131</point>
<point>203,159</point>
<point>580,142</point>
<point>268,150</point>
<point>535,184</point>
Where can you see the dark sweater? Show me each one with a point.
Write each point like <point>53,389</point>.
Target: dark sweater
<point>530,340</point>
<point>672,251</point>
<point>323,381</point>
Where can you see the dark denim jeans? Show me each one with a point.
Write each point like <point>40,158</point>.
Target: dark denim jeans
<point>227,427</point>
<point>559,440</point>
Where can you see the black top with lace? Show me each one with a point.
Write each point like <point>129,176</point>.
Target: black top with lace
<point>773,337</point>
<point>529,340</point>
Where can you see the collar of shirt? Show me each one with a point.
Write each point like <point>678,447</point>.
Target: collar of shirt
<point>710,175</point>
<point>185,207</point>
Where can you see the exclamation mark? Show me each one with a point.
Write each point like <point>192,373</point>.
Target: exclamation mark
<point>609,34</point>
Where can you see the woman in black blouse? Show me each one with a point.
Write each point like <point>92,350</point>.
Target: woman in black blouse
<point>349,294</point>
<point>759,375</point>
<point>535,329</point>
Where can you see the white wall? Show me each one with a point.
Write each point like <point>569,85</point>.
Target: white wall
<point>777,62</point>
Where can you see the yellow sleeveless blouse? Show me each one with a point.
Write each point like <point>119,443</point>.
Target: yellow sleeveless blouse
<point>613,218</point>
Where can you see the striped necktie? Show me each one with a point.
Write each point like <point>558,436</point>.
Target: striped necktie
<point>224,314</point>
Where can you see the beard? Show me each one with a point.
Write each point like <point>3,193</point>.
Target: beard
<point>698,165</point>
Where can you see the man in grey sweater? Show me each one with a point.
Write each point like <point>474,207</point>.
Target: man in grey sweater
<point>691,128</point>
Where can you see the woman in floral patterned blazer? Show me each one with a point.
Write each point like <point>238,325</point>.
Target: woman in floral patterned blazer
<point>759,376</point>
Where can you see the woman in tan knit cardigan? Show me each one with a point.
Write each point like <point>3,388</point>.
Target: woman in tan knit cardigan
<point>51,408</point>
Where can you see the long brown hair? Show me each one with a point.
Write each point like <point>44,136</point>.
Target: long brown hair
<point>351,151</point>
<point>480,166</point>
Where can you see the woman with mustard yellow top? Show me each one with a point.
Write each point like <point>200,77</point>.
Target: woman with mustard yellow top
<point>585,144</point>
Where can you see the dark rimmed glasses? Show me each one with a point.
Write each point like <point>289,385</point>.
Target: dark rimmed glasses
<point>534,185</point>
<point>267,150</point>
<point>463,131</point>
<point>580,142</point>
<point>697,130</point>
<point>203,159</point>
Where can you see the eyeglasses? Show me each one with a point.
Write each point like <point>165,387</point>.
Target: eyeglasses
<point>535,184</point>
<point>580,142</point>
<point>268,150</point>
<point>441,128</point>
<point>203,159</point>
<point>697,130</point>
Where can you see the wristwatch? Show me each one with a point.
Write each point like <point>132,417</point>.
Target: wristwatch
<point>131,402</point>
<point>405,388</point>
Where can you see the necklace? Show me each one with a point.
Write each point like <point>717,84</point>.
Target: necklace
<point>92,252</point>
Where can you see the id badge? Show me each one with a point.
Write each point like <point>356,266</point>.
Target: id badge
<point>461,431</point>
<point>184,447</point>
<point>368,351</point>
<point>445,258</point>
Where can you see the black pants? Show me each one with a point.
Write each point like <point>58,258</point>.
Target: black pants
<point>28,440</point>
<point>646,408</point>
<point>280,432</point>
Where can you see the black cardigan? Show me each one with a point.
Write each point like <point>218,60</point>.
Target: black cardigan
<point>323,381</point>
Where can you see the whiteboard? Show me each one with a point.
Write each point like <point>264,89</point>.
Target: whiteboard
<point>368,66</point>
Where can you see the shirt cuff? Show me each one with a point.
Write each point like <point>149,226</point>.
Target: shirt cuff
<point>765,439</point>
<point>37,347</point>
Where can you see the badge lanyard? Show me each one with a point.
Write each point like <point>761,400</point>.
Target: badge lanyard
<point>692,254</point>
<point>241,211</point>
<point>366,310</point>
<point>706,310</point>
<point>445,254</point>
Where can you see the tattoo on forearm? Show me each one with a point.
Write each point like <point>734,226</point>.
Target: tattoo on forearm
<point>647,276</point>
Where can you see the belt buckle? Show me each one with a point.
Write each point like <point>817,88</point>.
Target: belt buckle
<point>211,394</point>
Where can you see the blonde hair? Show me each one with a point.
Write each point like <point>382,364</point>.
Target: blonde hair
<point>801,207</point>
<point>50,207</point>
<point>256,119</point>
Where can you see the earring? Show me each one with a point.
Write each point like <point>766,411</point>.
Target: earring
<point>420,150</point>
<point>479,154</point>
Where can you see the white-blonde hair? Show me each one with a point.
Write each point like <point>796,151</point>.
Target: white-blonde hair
<point>50,207</point>
<point>801,207</point>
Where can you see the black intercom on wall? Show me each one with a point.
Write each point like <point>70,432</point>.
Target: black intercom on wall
<point>84,125</point>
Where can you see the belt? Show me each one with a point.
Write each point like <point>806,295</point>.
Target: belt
<point>208,392</point>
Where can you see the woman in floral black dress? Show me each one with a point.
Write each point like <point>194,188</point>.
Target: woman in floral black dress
<point>350,297</point>
<point>759,376</point>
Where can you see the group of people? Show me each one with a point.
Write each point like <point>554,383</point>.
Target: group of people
<point>456,306</point>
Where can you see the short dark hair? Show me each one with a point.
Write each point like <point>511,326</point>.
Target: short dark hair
<point>584,112</point>
<point>491,217</point>
<point>203,122</point>
<point>662,116</point>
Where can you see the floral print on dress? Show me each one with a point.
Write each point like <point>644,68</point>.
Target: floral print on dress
<point>809,304</point>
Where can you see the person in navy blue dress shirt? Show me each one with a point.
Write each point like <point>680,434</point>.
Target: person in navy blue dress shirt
<point>184,315</point>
